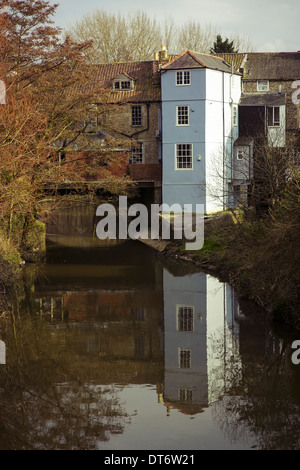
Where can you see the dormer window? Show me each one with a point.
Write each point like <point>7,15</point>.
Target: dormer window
<point>123,85</point>
<point>123,82</point>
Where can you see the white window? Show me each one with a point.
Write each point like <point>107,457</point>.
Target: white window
<point>137,154</point>
<point>183,77</point>
<point>182,115</point>
<point>136,115</point>
<point>185,358</point>
<point>240,154</point>
<point>273,116</point>
<point>122,85</point>
<point>184,156</point>
<point>234,115</point>
<point>185,318</point>
<point>262,85</point>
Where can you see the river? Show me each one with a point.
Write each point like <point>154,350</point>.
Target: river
<point>113,347</point>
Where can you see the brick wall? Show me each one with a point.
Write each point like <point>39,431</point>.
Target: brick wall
<point>145,172</point>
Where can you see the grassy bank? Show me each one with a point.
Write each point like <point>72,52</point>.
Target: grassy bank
<point>260,259</point>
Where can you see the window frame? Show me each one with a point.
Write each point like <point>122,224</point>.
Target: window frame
<point>274,122</point>
<point>183,156</point>
<point>138,117</point>
<point>182,361</point>
<point>240,154</point>
<point>183,81</point>
<point>187,115</point>
<point>188,323</point>
<point>235,120</point>
<point>185,395</point>
<point>118,85</point>
<point>137,153</point>
<point>260,87</point>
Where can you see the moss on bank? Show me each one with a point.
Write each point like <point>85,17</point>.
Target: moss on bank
<point>10,265</point>
<point>15,251</point>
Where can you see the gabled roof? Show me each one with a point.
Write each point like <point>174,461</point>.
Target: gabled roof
<point>266,65</point>
<point>145,75</point>
<point>122,75</point>
<point>195,60</point>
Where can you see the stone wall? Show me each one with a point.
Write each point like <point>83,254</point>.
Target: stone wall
<point>292,110</point>
<point>120,121</point>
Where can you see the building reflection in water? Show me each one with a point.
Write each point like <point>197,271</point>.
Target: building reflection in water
<point>179,332</point>
<point>201,341</point>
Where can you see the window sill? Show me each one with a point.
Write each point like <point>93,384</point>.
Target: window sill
<point>184,169</point>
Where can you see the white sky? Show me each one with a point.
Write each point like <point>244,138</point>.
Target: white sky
<point>271,25</point>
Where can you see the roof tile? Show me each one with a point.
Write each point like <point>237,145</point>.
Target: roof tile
<point>267,65</point>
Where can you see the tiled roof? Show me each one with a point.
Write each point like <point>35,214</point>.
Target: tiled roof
<point>190,59</point>
<point>263,99</point>
<point>267,65</point>
<point>235,59</point>
<point>145,75</point>
<point>242,140</point>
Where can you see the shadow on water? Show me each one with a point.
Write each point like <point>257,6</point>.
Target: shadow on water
<point>114,347</point>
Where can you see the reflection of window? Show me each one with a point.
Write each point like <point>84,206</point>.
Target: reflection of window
<point>184,156</point>
<point>273,116</point>
<point>139,346</point>
<point>137,154</point>
<point>262,85</point>
<point>104,311</point>
<point>185,358</point>
<point>136,115</point>
<point>138,313</point>
<point>185,318</point>
<point>235,116</point>
<point>182,115</point>
<point>183,77</point>
<point>185,394</point>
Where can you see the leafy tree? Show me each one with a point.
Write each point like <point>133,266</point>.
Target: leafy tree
<point>46,100</point>
<point>221,46</point>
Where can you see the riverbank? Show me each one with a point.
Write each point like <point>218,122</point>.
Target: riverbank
<point>260,264</point>
<point>261,261</point>
<point>15,252</point>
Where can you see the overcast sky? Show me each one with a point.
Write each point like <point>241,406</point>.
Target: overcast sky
<point>271,25</point>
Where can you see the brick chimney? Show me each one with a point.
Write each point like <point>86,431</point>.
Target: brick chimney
<point>162,55</point>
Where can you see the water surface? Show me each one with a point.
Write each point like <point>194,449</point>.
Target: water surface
<point>113,347</point>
